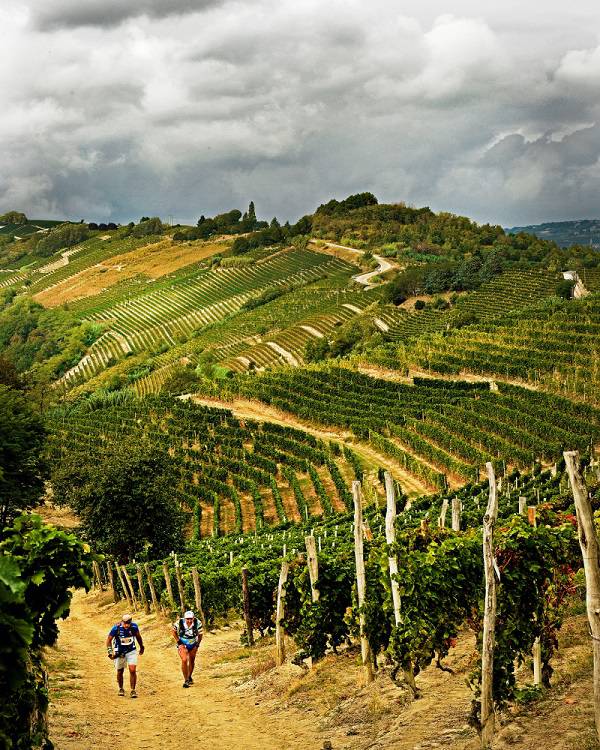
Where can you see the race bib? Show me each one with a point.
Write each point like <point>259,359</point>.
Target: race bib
<point>126,641</point>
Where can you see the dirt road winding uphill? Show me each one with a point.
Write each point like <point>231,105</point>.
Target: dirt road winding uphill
<point>86,712</point>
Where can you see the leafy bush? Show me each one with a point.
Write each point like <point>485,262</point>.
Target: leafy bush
<point>38,567</point>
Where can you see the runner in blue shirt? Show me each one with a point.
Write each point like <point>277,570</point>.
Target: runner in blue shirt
<point>120,644</point>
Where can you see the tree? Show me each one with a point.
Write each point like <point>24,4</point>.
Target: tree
<point>406,284</point>
<point>124,496</point>
<point>147,227</point>
<point>22,467</point>
<point>38,568</point>
<point>65,235</point>
<point>9,375</point>
<point>251,212</point>
<point>13,217</point>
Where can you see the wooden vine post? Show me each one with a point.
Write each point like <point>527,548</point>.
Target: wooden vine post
<point>198,596</point>
<point>124,585</point>
<point>390,537</point>
<point>536,651</point>
<point>280,614</point>
<point>167,576</point>
<point>489,615</point>
<point>522,506</point>
<point>97,576</point>
<point>456,513</point>
<point>246,600</point>
<point>443,512</point>
<point>590,551</point>
<point>361,581</point>
<point>180,589</point>
<point>143,597</point>
<point>312,561</point>
<point>155,604</point>
<point>111,579</point>
<point>128,579</point>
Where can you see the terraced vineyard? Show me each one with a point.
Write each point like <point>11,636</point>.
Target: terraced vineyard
<point>439,431</point>
<point>235,475</point>
<point>171,313</point>
<point>555,346</point>
<point>287,346</point>
<point>511,291</point>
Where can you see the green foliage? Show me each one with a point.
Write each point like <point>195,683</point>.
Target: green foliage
<point>13,217</point>
<point>64,236</point>
<point>267,296</point>
<point>335,208</point>
<point>124,497</point>
<point>22,468</point>
<point>38,567</point>
<point>148,227</point>
<point>182,380</point>
<point>49,341</point>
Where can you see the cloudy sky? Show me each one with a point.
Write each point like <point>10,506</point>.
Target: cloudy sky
<point>111,109</point>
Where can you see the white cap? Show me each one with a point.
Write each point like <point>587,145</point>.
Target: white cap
<point>189,614</point>
<point>127,617</point>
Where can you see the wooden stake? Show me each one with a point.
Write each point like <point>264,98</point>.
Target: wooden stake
<point>312,561</point>
<point>537,662</point>
<point>246,600</point>
<point>456,508</point>
<point>167,576</point>
<point>361,582</point>
<point>155,603</point>
<point>97,575</point>
<point>198,596</point>
<point>532,515</point>
<point>128,580</point>
<point>143,597</point>
<point>126,594</point>
<point>522,506</point>
<point>489,615</point>
<point>111,578</point>
<point>536,651</point>
<point>180,588</point>
<point>590,551</point>
<point>390,537</point>
<point>443,512</point>
<point>280,614</point>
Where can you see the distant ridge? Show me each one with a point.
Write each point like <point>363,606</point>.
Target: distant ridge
<point>565,233</point>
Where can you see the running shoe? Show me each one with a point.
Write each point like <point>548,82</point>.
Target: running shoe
<point>133,694</point>
<point>190,681</point>
<point>186,684</point>
<point>121,691</point>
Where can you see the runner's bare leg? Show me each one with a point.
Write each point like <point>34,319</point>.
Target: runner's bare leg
<point>132,676</point>
<point>120,678</point>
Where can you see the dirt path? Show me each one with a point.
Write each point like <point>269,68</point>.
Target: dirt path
<point>361,278</point>
<point>86,712</point>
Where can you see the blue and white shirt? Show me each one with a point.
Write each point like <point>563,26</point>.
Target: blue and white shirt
<point>124,637</point>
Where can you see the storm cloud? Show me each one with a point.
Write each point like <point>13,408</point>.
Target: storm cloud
<point>113,109</point>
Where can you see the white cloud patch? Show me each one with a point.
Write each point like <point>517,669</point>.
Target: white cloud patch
<point>116,109</point>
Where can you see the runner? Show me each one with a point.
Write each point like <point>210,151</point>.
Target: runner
<point>121,647</point>
<point>187,632</point>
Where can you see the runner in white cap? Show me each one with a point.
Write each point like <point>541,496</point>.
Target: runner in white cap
<point>187,632</point>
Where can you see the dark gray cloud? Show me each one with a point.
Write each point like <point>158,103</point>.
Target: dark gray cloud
<point>55,14</point>
<point>113,110</point>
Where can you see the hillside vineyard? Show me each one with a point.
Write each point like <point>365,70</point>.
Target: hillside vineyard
<point>318,428</point>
